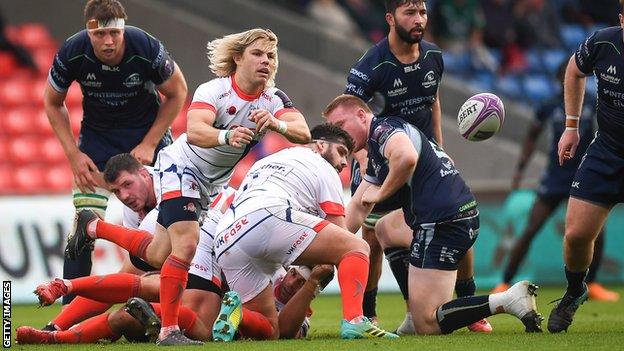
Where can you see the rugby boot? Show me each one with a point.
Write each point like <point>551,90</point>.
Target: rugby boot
<point>521,303</point>
<point>49,292</point>
<point>482,326</point>
<point>561,316</point>
<point>230,316</point>
<point>144,313</point>
<point>176,338</point>
<point>597,292</point>
<point>78,239</point>
<point>363,330</point>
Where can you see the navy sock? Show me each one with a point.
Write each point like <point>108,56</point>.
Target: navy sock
<point>369,304</point>
<point>461,312</point>
<point>575,282</point>
<point>398,257</point>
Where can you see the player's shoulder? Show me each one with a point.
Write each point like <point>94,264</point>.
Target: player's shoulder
<point>430,50</point>
<point>76,45</point>
<point>612,35</point>
<point>383,127</point>
<point>140,42</point>
<point>215,86</point>
<point>375,54</point>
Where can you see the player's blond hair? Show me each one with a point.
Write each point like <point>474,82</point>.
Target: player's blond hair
<point>221,51</point>
<point>347,101</point>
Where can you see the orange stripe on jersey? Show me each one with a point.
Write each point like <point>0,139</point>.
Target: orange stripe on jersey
<point>285,110</point>
<point>198,105</point>
<point>322,224</point>
<point>332,208</point>
<point>171,195</point>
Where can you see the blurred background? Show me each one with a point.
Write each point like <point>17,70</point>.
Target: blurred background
<point>509,47</point>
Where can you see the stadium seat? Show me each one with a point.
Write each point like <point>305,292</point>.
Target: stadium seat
<point>573,35</point>
<point>538,87</point>
<point>272,143</point>
<point>483,81</point>
<point>35,35</point>
<point>15,92</point>
<point>591,86</point>
<point>58,179</point>
<point>456,63</point>
<point>24,150</point>
<point>8,64</point>
<point>7,185</point>
<point>37,89</point>
<point>4,150</point>
<point>20,121</point>
<point>52,151</point>
<point>552,59</point>
<point>510,86</point>
<point>75,118</point>
<point>179,124</point>
<point>29,179</point>
<point>534,60</point>
<point>43,59</point>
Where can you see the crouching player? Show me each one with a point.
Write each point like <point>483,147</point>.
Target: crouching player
<point>442,212</point>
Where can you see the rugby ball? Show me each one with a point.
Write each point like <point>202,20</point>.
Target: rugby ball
<point>480,117</point>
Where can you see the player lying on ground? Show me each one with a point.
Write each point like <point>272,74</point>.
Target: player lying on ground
<point>442,213</point>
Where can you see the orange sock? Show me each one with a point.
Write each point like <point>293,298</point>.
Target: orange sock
<point>352,278</point>
<point>133,240</point>
<point>78,310</point>
<point>173,278</point>
<point>186,319</point>
<point>255,325</point>
<point>113,288</point>
<point>89,331</point>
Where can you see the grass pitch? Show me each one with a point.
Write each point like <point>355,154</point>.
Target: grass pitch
<point>597,326</point>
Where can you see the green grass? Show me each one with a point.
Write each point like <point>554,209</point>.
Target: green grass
<point>596,326</point>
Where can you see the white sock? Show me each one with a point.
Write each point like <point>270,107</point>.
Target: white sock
<point>91,228</point>
<point>497,302</point>
<point>358,319</point>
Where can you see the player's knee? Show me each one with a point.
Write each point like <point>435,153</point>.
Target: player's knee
<point>119,321</point>
<point>360,245</point>
<point>576,237</point>
<point>185,250</point>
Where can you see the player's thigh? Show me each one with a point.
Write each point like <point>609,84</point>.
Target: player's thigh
<point>392,231</point>
<point>429,289</point>
<point>329,245</point>
<point>584,219</point>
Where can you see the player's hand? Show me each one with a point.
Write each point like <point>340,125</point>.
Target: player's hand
<point>264,120</point>
<point>83,169</point>
<point>371,196</point>
<point>144,153</point>
<point>567,145</point>
<point>240,136</point>
<point>321,271</point>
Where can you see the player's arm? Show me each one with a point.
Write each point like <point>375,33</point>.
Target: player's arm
<point>436,120</point>
<point>81,164</point>
<point>402,159</point>
<point>293,314</point>
<point>528,146</point>
<point>200,130</point>
<point>174,89</point>
<point>356,210</point>
<point>573,93</point>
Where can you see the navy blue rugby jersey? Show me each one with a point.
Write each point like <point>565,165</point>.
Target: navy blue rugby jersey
<point>437,191</point>
<point>601,54</point>
<point>117,97</point>
<point>392,88</point>
<point>552,113</point>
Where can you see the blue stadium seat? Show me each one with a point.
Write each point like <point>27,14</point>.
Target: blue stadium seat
<point>538,87</point>
<point>456,63</point>
<point>510,86</point>
<point>534,60</point>
<point>590,85</point>
<point>552,58</point>
<point>483,81</point>
<point>573,35</point>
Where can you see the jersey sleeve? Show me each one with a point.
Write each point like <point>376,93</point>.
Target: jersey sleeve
<point>585,55</point>
<point>61,75</point>
<point>205,97</point>
<point>329,192</point>
<point>360,80</point>
<point>381,133</point>
<point>281,103</point>
<point>163,65</point>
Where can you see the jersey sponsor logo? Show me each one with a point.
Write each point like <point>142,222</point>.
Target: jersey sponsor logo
<point>381,133</point>
<point>224,95</point>
<point>110,69</point>
<point>397,83</point>
<point>91,81</point>
<point>354,89</point>
<point>429,80</point>
<point>230,233</point>
<point>133,80</point>
<point>231,110</point>
<point>611,70</point>
<point>297,242</point>
<point>411,68</point>
<point>360,75</point>
<point>400,88</point>
<point>90,76</point>
<point>611,77</point>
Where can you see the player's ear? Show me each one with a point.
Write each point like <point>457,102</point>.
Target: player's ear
<point>390,19</point>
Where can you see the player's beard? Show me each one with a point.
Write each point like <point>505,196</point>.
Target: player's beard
<point>405,35</point>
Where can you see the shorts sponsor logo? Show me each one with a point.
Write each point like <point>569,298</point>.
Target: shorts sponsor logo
<point>200,267</point>
<point>576,185</point>
<point>230,233</point>
<point>298,242</point>
<point>190,207</point>
<point>447,255</point>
